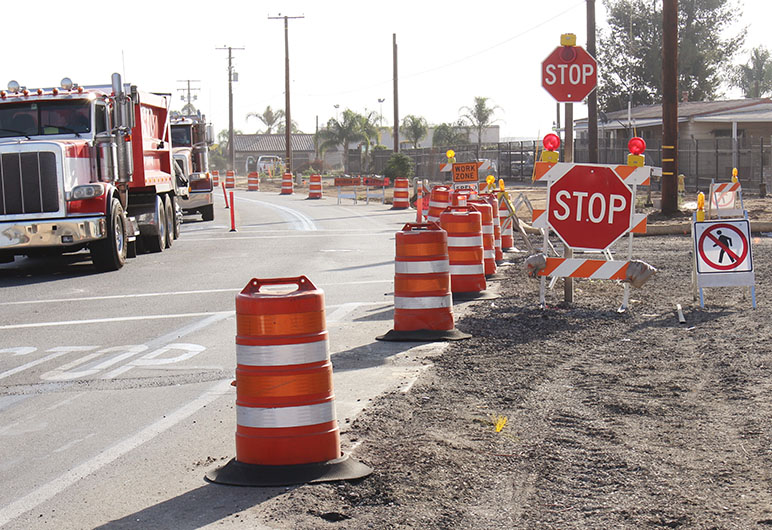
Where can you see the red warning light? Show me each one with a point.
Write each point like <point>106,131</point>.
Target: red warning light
<point>551,142</point>
<point>636,145</point>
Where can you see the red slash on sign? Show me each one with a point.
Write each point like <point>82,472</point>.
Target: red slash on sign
<point>724,236</point>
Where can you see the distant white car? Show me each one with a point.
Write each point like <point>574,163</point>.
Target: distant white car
<point>269,164</point>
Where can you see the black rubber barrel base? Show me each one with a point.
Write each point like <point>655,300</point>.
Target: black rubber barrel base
<point>424,335</point>
<point>236,473</point>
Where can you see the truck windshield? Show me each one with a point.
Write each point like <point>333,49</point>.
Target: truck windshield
<point>30,118</point>
<point>181,136</point>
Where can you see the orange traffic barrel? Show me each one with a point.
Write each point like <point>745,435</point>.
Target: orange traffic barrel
<point>286,429</point>
<point>465,252</point>
<point>215,178</point>
<point>287,186</point>
<point>230,179</point>
<point>460,197</point>
<point>315,187</point>
<point>253,181</point>
<point>401,194</point>
<point>489,245</point>
<point>439,200</point>
<point>423,303</point>
<point>491,199</point>
<point>507,227</point>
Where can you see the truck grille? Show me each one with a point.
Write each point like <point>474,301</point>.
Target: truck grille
<point>28,183</point>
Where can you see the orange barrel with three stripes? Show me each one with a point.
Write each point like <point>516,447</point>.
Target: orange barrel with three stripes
<point>507,227</point>
<point>284,395</point>
<point>489,245</point>
<point>230,179</point>
<point>465,248</point>
<point>422,296</point>
<point>287,186</point>
<point>439,200</point>
<point>401,194</point>
<point>490,198</point>
<point>253,181</point>
<point>215,178</point>
<point>315,187</point>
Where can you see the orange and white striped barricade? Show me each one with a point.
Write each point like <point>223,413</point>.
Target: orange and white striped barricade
<point>341,183</point>
<point>438,201</point>
<point>725,197</point>
<point>423,303</point>
<point>401,199</point>
<point>315,187</point>
<point>253,181</point>
<point>489,245</point>
<point>286,429</point>
<point>230,179</point>
<point>491,199</point>
<point>287,185</point>
<point>465,252</point>
<point>215,178</point>
<point>375,188</point>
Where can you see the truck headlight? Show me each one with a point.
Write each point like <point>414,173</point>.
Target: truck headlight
<point>86,191</point>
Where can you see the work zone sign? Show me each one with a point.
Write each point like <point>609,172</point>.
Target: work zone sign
<point>465,171</point>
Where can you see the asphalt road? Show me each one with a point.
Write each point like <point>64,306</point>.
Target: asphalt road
<point>115,394</point>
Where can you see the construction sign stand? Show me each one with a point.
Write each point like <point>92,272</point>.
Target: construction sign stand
<point>347,182</point>
<point>375,188</point>
<point>725,199</point>
<point>589,207</point>
<point>722,256</point>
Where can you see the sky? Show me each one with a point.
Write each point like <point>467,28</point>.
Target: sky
<point>340,54</point>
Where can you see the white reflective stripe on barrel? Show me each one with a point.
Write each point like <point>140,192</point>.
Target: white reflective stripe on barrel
<point>460,270</point>
<point>489,254</point>
<point>435,204</point>
<point>422,302</point>
<point>465,241</point>
<point>283,354</point>
<point>281,417</point>
<point>421,267</point>
<point>487,229</point>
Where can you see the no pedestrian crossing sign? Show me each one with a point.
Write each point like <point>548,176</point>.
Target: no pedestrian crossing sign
<point>723,247</point>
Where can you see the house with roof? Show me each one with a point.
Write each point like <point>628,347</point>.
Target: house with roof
<point>248,148</point>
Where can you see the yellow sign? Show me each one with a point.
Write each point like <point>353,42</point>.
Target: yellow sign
<point>465,171</point>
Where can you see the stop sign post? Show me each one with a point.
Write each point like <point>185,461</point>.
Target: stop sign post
<point>569,74</point>
<point>589,207</point>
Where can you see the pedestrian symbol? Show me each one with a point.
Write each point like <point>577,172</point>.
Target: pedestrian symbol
<point>724,242</point>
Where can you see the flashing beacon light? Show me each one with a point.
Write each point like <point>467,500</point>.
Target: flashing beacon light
<point>490,180</point>
<point>636,146</point>
<point>451,154</point>
<point>700,206</point>
<point>734,174</point>
<point>551,143</point>
<point>501,185</point>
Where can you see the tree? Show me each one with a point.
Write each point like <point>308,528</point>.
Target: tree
<point>414,129</point>
<point>269,118</point>
<point>399,165</point>
<point>479,117</point>
<point>218,153</point>
<point>448,135</point>
<point>755,76</point>
<point>281,127</point>
<point>630,52</point>
<point>368,127</point>
<point>341,132</point>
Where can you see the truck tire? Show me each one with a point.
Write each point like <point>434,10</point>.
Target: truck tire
<point>169,213</point>
<point>109,254</point>
<point>207,212</point>
<point>157,242</point>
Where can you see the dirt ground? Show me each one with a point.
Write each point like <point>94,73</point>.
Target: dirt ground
<point>605,419</point>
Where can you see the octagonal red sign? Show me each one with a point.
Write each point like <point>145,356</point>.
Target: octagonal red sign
<point>589,207</point>
<point>569,73</point>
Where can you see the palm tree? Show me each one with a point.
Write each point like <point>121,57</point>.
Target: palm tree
<point>479,116</point>
<point>269,118</point>
<point>414,128</point>
<point>368,126</point>
<point>282,127</point>
<point>341,132</point>
<point>449,135</point>
<point>755,77</point>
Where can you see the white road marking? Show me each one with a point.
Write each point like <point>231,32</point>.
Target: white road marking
<point>113,319</point>
<point>298,220</point>
<point>64,481</point>
<point>58,352</point>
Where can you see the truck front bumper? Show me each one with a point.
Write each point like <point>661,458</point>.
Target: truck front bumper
<point>16,236</point>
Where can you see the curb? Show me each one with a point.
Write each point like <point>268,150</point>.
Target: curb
<point>673,229</point>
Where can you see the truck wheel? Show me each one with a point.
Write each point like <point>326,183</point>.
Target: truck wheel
<point>177,216</point>
<point>207,213</point>
<point>157,242</point>
<point>169,213</point>
<point>109,254</point>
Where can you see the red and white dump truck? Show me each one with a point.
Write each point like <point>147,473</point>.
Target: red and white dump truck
<point>191,138</point>
<point>86,167</point>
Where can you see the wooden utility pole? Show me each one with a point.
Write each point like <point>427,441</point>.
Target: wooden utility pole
<point>669,106</point>
<point>231,75</point>
<point>592,99</point>
<point>287,114</point>
<point>396,98</point>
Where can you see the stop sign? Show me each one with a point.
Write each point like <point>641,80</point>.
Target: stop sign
<point>569,73</point>
<point>589,207</point>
